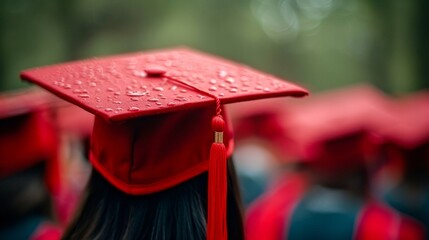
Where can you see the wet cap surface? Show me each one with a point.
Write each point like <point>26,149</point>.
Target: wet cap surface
<point>127,86</point>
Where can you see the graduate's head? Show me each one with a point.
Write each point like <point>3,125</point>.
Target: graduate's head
<point>331,132</point>
<point>160,120</point>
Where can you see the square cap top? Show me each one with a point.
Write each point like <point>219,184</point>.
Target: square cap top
<point>406,122</point>
<point>25,101</point>
<point>132,85</point>
<point>333,115</point>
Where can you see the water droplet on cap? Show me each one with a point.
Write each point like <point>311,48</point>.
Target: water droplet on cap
<point>134,99</point>
<point>159,89</point>
<point>222,73</point>
<point>108,109</point>
<point>171,104</point>
<point>119,109</point>
<point>136,93</point>
<point>230,80</point>
<point>77,91</point>
<point>213,81</point>
<point>183,91</point>
<point>83,95</point>
<point>233,90</point>
<point>158,103</point>
<point>153,99</point>
<point>267,90</point>
<point>93,84</point>
<point>110,89</point>
<point>133,109</point>
<point>213,88</point>
<point>117,102</point>
<point>173,88</point>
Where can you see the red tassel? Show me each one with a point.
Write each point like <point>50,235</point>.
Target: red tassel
<point>217,185</point>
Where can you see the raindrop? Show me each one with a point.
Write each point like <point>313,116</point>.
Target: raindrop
<point>153,99</point>
<point>171,104</point>
<point>134,99</point>
<point>159,89</point>
<point>223,85</point>
<point>117,102</point>
<point>244,89</point>
<point>202,97</point>
<point>99,106</point>
<point>61,84</point>
<point>110,89</point>
<point>67,86</point>
<point>161,95</point>
<point>136,93</point>
<point>173,88</point>
<point>78,82</point>
<point>159,103</point>
<point>129,88</point>
<point>183,91</point>
<point>222,73</point>
<point>213,88</point>
<point>117,93</point>
<point>213,81</point>
<point>258,88</point>
<point>133,109</point>
<point>55,83</point>
<point>267,90</point>
<point>84,91</point>
<point>230,80</point>
<point>119,109</point>
<point>77,91</point>
<point>108,109</point>
<point>221,94</point>
<point>233,90</point>
<point>92,84</point>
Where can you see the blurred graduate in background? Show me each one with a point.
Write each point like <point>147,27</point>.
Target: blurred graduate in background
<point>29,167</point>
<point>260,144</point>
<point>405,134</point>
<point>331,199</point>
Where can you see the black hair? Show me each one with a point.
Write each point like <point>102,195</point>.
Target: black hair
<point>176,213</point>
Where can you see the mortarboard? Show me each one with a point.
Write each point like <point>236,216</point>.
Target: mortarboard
<point>261,121</point>
<point>334,125</point>
<point>406,122</point>
<point>27,135</point>
<point>180,93</point>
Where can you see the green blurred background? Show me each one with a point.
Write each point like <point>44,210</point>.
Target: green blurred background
<point>320,44</point>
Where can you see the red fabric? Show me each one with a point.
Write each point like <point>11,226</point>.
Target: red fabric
<point>408,121</point>
<point>313,123</point>
<point>154,153</point>
<point>47,231</point>
<point>27,139</point>
<point>268,216</point>
<point>380,222</point>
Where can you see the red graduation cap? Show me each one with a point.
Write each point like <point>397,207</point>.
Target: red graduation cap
<point>406,122</point>
<point>334,125</point>
<point>261,121</point>
<point>27,135</point>
<point>155,112</point>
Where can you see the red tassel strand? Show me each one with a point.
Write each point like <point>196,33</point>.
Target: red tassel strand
<point>217,185</point>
